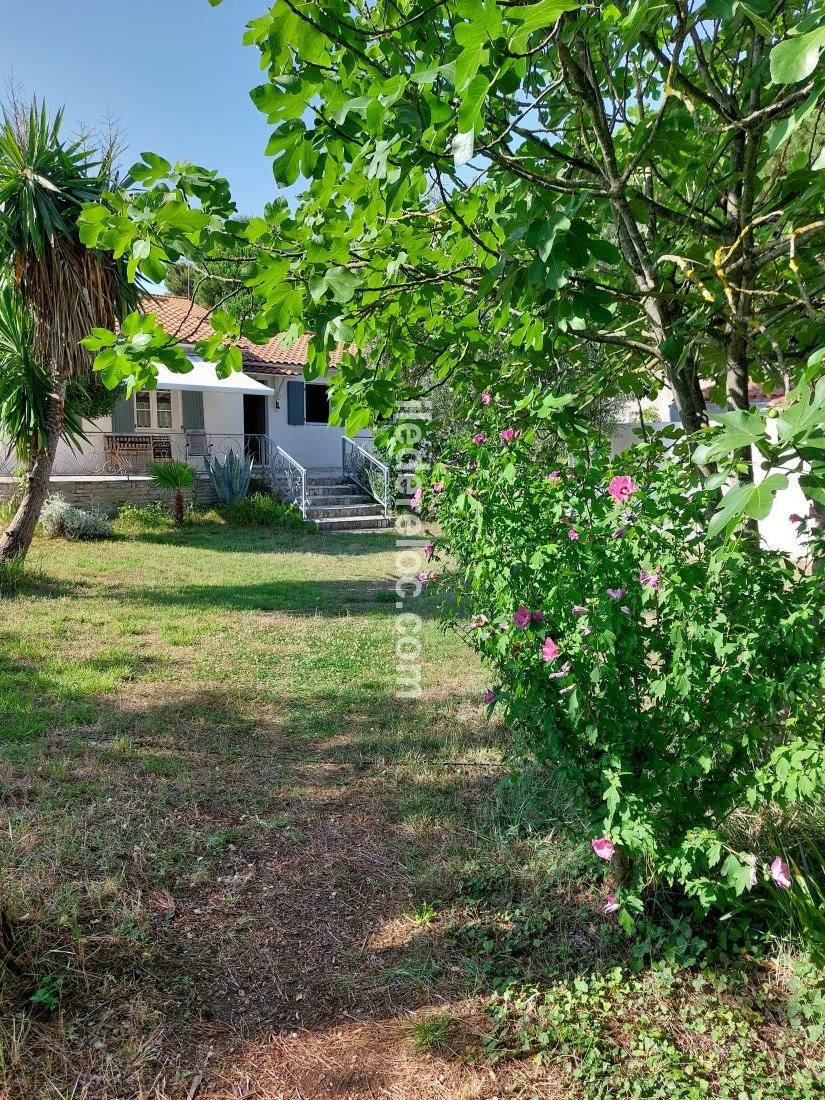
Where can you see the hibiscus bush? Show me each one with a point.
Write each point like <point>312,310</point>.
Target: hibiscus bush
<point>675,680</point>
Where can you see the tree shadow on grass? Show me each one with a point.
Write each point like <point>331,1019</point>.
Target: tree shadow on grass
<point>223,537</point>
<point>189,869</point>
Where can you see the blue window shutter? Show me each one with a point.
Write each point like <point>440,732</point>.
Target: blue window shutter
<point>123,416</point>
<point>295,402</point>
<point>192,405</point>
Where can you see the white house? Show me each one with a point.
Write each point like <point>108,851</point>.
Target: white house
<point>269,411</point>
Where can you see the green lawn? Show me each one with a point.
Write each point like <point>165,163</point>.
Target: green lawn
<point>237,865</point>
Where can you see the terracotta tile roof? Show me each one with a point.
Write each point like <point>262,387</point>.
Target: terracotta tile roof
<point>190,322</point>
<point>756,393</point>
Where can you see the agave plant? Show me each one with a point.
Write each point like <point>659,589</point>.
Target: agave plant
<point>65,288</point>
<point>174,476</point>
<point>229,478</point>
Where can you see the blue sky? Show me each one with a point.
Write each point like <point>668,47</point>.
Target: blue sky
<point>173,73</point>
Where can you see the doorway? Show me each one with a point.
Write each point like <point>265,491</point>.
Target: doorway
<point>254,425</point>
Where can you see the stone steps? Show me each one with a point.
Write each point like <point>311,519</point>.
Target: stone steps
<point>355,523</point>
<point>336,504</point>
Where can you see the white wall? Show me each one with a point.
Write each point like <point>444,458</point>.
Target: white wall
<point>313,445</point>
<point>222,414</point>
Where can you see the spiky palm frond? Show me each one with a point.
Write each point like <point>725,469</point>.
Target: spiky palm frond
<point>25,385</point>
<point>171,474</point>
<point>67,288</point>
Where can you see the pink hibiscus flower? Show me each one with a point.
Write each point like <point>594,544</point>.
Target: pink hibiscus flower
<point>479,438</point>
<point>486,398</point>
<point>650,580</point>
<point>537,616</point>
<point>621,488</point>
<point>604,847</point>
<point>554,475</point>
<point>578,610</point>
<point>612,905</point>
<point>550,650</point>
<point>415,500</point>
<point>780,873</point>
<point>425,575</point>
<point>509,434</point>
<point>489,697</point>
<point>619,533</point>
<point>522,617</point>
<point>616,593</point>
<point>794,518</point>
<point>572,534</point>
<point>429,550</point>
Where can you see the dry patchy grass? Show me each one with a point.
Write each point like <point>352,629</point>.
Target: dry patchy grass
<point>235,865</point>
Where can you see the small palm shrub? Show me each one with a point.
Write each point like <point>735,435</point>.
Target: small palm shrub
<point>263,510</point>
<point>230,478</point>
<point>173,476</point>
<point>59,519</point>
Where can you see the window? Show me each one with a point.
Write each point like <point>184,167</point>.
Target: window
<point>164,408</point>
<point>153,410</point>
<point>143,409</point>
<point>317,405</point>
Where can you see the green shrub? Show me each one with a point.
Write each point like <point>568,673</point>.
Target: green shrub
<point>260,510</point>
<point>59,519</point>
<point>674,681</point>
<point>145,517</point>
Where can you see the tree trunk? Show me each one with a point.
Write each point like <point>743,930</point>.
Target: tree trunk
<point>177,507</point>
<point>15,542</point>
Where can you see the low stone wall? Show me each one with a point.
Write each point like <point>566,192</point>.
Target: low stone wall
<point>108,493</point>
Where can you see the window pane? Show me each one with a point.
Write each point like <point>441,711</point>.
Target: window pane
<point>317,405</point>
<point>143,410</point>
<point>164,400</point>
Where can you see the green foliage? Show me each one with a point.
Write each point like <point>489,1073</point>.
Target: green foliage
<point>144,517</point>
<point>797,446</point>
<point>432,1031</point>
<point>59,519</point>
<point>665,1035</point>
<point>209,286</point>
<point>25,386</point>
<point>674,681</point>
<point>175,476</point>
<point>172,474</point>
<point>230,478</point>
<point>265,510</point>
<point>40,180</point>
<point>47,994</point>
<point>548,177</point>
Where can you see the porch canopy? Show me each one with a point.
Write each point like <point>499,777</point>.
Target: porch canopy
<point>202,377</point>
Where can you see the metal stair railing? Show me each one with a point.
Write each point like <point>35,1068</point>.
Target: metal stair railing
<point>367,471</point>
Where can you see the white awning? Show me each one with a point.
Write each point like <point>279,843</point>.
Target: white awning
<point>202,377</point>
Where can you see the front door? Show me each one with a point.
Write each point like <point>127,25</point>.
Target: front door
<point>254,424</point>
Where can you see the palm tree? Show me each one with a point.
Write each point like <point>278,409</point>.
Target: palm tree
<point>65,289</point>
<point>25,386</point>
<point>174,476</point>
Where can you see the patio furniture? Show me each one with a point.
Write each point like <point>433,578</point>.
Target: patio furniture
<point>161,448</point>
<point>126,452</point>
<point>196,444</point>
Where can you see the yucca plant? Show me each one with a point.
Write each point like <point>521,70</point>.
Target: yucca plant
<point>231,477</point>
<point>174,476</point>
<point>65,289</point>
